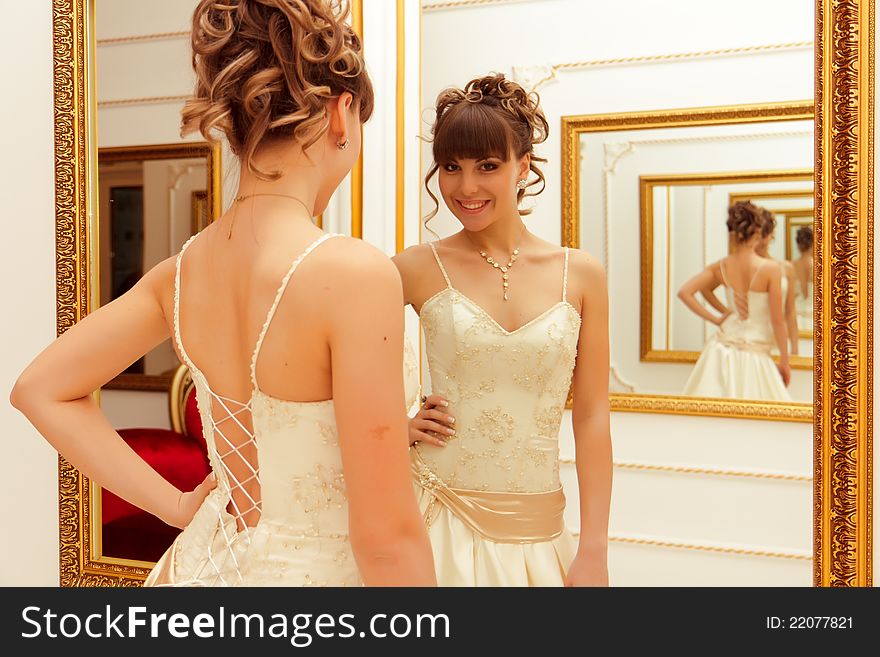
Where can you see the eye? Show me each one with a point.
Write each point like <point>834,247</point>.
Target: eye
<point>488,166</point>
<point>450,168</point>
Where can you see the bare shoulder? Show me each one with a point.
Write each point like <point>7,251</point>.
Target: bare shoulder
<point>161,276</point>
<point>413,258</point>
<point>773,267</point>
<point>586,278</point>
<point>585,267</point>
<point>159,281</point>
<point>356,266</point>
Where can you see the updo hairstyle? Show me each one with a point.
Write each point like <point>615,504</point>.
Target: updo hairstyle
<point>744,221</point>
<point>265,70</point>
<point>490,117</point>
<point>804,239</point>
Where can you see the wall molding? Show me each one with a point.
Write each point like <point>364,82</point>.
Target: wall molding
<point>141,38</point>
<point>721,472</point>
<point>720,548</point>
<point>526,75</point>
<point>145,100</point>
<point>466,4</point>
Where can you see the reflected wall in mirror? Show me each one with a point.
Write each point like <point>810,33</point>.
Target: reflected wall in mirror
<point>151,199</point>
<point>664,180</point>
<point>684,230</point>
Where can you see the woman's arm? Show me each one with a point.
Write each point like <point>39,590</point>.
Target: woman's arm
<point>431,424</point>
<point>777,320</point>
<point>365,311</point>
<point>705,280</point>
<point>790,308</point>
<point>591,414</point>
<point>709,295</point>
<point>55,393</point>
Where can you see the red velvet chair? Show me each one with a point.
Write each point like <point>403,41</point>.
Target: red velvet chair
<point>179,455</point>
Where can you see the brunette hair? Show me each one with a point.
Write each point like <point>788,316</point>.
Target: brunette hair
<point>769,222</point>
<point>804,238</point>
<point>744,220</point>
<point>265,69</point>
<point>490,117</point>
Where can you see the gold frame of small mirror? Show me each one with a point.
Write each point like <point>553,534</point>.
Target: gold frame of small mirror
<point>843,429</point>
<point>205,207</point>
<point>647,351</point>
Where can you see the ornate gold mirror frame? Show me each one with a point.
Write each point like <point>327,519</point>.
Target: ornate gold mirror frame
<point>843,357</point>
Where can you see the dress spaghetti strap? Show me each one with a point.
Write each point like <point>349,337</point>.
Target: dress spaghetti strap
<point>440,264</point>
<point>565,276</point>
<point>281,288</point>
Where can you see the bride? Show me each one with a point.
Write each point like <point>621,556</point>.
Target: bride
<point>736,362</point>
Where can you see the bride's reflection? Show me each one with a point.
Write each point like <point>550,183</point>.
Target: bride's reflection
<point>762,248</point>
<point>736,362</point>
<point>803,276</point>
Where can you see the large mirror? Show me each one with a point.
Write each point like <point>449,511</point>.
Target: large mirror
<point>653,136</point>
<point>661,118</point>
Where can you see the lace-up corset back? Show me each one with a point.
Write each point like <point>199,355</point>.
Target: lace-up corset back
<point>506,389</point>
<point>750,322</point>
<point>278,469</point>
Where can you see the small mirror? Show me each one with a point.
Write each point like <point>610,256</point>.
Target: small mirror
<point>151,200</point>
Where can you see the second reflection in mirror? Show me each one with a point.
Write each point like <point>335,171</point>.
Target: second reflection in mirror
<point>757,314</point>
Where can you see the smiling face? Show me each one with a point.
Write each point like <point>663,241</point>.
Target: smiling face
<point>481,191</point>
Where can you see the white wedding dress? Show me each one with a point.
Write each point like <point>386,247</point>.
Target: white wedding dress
<point>736,362</point>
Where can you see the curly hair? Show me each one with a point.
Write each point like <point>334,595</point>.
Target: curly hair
<point>265,69</point>
<point>804,238</point>
<point>744,220</point>
<point>769,222</point>
<point>490,117</point>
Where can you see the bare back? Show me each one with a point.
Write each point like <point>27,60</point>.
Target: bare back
<point>227,288</point>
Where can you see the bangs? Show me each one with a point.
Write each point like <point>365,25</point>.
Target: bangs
<point>471,131</point>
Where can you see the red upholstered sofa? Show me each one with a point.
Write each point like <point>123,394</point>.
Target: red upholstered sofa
<point>179,455</point>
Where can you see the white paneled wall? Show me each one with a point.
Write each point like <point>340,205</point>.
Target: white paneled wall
<point>29,551</point>
<point>715,522</point>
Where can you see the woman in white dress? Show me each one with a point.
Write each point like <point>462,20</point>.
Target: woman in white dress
<point>803,268</point>
<point>762,248</point>
<point>510,321</point>
<point>301,399</point>
<point>736,361</point>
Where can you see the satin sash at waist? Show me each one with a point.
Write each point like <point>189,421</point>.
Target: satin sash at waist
<point>741,344</point>
<point>496,516</point>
